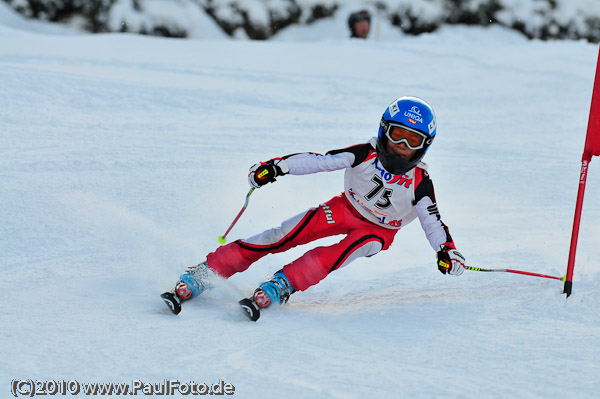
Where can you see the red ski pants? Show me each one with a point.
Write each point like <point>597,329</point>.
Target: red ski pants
<point>336,216</point>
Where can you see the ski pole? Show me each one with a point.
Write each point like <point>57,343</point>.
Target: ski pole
<point>223,239</point>
<point>481,269</point>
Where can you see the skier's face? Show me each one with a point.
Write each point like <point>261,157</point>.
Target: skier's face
<point>400,149</point>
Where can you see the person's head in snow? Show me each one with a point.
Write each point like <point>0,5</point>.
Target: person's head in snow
<point>359,23</point>
<point>386,186</point>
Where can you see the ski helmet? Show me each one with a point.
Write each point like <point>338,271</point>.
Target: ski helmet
<point>411,114</point>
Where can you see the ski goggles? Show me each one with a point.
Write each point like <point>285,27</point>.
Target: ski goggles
<point>413,139</point>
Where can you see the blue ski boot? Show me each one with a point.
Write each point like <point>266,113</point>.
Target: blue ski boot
<point>278,289</point>
<point>191,284</point>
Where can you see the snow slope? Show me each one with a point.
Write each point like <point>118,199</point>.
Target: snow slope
<point>124,157</point>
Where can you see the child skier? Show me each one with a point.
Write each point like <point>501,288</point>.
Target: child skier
<point>386,186</point>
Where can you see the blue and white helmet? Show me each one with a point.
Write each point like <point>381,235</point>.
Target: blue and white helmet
<point>414,115</point>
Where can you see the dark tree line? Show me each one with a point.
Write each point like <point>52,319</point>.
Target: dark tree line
<point>230,15</point>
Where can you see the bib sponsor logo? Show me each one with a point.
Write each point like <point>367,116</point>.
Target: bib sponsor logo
<point>401,180</point>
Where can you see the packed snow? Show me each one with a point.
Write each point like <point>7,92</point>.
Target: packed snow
<point>124,157</point>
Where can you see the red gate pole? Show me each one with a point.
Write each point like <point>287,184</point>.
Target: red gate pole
<point>592,147</point>
<point>575,233</point>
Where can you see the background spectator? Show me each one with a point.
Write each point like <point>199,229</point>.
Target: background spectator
<point>359,23</point>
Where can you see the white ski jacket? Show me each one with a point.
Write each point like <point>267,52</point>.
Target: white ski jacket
<point>381,197</point>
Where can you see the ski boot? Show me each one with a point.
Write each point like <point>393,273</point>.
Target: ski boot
<point>278,289</point>
<point>191,284</point>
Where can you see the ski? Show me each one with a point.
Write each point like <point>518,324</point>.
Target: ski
<point>172,300</point>
<point>250,308</point>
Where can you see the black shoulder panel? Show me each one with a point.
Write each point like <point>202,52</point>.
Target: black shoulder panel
<point>424,186</point>
<point>360,151</point>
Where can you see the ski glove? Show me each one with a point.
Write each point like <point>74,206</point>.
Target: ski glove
<point>450,261</point>
<point>266,172</point>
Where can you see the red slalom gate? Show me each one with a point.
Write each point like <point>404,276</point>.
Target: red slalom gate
<point>591,148</point>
